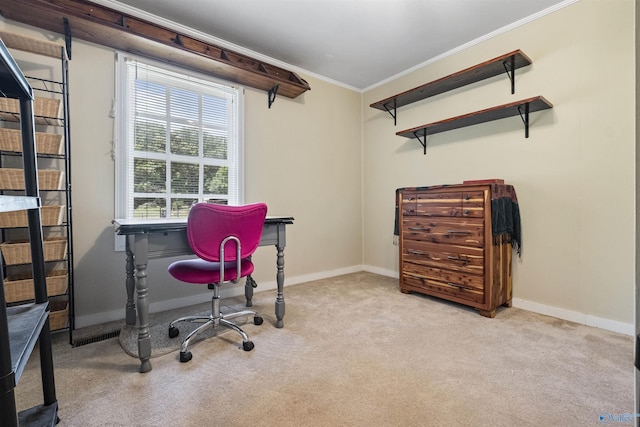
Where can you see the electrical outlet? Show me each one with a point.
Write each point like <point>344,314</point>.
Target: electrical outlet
<point>120,243</point>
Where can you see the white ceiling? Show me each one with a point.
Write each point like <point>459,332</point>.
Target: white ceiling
<point>358,43</point>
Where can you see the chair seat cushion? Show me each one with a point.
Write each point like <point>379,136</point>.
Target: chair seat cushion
<point>205,272</point>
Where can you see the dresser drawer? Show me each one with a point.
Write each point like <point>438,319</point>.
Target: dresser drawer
<point>458,258</point>
<point>458,231</point>
<point>467,204</point>
<point>448,204</point>
<point>409,203</point>
<point>442,289</point>
<point>450,277</point>
<point>473,204</point>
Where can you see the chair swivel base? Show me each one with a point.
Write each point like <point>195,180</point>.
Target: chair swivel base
<point>209,322</point>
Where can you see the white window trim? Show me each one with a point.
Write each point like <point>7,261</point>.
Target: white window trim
<point>120,129</point>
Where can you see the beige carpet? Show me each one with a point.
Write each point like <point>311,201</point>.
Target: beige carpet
<point>355,352</point>
<point>161,344</point>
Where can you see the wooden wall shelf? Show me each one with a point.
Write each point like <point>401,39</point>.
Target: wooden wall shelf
<point>506,63</point>
<point>521,108</point>
<point>107,27</point>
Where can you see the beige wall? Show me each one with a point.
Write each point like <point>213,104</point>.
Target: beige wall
<point>574,175</point>
<point>333,163</point>
<point>302,158</point>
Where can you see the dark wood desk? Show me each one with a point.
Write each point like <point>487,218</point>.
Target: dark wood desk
<point>161,238</point>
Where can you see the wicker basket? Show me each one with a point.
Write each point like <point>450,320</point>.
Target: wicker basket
<point>55,249</point>
<point>13,179</point>
<point>42,107</point>
<point>58,315</point>
<point>19,286</point>
<point>49,216</point>
<point>37,46</point>
<point>46,143</point>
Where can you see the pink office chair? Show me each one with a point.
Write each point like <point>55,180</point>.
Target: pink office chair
<point>224,238</point>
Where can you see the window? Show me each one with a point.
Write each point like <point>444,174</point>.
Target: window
<point>178,140</point>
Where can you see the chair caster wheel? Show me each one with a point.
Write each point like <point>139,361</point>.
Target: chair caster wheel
<point>257,320</point>
<point>173,332</point>
<point>185,356</point>
<point>247,345</point>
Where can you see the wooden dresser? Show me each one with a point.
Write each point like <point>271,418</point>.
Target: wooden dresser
<point>447,249</point>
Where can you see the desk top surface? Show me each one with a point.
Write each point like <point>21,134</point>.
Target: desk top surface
<point>139,226</point>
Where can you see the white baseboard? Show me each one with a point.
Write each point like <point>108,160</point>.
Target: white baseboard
<point>574,316</point>
<point>115,315</point>
<point>560,313</point>
<point>322,275</point>
<point>227,292</point>
<point>381,271</point>
<point>238,290</point>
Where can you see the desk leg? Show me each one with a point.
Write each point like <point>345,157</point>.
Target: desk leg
<point>144,334</point>
<point>130,308</point>
<point>249,284</point>
<point>280,281</point>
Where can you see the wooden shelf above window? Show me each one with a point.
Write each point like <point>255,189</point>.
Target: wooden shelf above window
<point>522,108</point>
<point>101,25</point>
<point>506,63</point>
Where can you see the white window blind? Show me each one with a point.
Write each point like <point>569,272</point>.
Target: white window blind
<point>179,141</point>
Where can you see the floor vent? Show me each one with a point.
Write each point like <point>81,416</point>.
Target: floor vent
<point>97,338</point>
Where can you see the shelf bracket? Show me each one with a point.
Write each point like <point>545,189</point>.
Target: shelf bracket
<point>271,95</point>
<point>392,113</point>
<point>67,37</point>
<point>510,68</point>
<point>524,115</point>
<point>422,141</point>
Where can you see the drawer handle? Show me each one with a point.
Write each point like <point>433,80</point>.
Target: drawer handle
<point>458,232</point>
<point>467,197</point>
<point>467,211</point>
<point>415,252</point>
<point>455,258</point>
<point>418,229</point>
<point>458,285</point>
<point>411,210</point>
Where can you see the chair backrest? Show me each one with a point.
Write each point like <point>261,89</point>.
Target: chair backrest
<point>209,224</point>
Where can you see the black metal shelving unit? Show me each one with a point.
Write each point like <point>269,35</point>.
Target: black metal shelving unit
<point>21,327</point>
<point>59,90</point>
